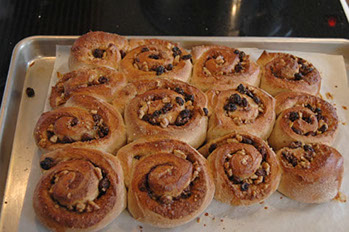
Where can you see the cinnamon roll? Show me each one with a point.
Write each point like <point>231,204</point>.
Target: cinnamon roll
<point>84,121</point>
<point>98,49</point>
<point>243,109</point>
<point>170,108</point>
<point>80,190</point>
<point>222,66</point>
<point>312,173</point>
<point>153,59</point>
<point>168,181</point>
<point>101,82</point>
<point>303,117</point>
<point>245,169</point>
<point>283,72</point>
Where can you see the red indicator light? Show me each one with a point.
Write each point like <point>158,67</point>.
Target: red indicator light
<point>332,21</point>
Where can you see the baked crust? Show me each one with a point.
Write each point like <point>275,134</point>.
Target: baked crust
<point>169,183</point>
<point>282,72</point>
<point>312,173</point>
<point>243,108</point>
<point>303,117</point>
<point>154,59</point>
<point>171,108</point>
<point>80,190</point>
<point>84,121</point>
<point>245,169</point>
<point>97,49</point>
<point>222,67</point>
<point>100,82</point>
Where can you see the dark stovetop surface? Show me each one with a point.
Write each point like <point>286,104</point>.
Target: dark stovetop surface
<point>282,18</point>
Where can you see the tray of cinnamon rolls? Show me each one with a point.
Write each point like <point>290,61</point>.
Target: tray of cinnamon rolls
<point>182,134</point>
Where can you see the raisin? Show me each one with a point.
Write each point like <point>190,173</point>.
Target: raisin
<point>298,76</point>
<point>309,107</point>
<point>98,53</point>
<point>235,98</point>
<point>323,128</point>
<point>74,122</point>
<point>307,119</point>
<point>212,147</point>
<point>307,147</point>
<point>176,51</point>
<point>246,140</point>
<point>263,152</point>
<point>154,56</point>
<point>241,55</point>
<point>294,116</point>
<point>179,90</point>
<point>186,57</point>
<point>236,51</point>
<point>249,93</point>
<point>256,99</point>
<point>160,70</point>
<point>104,130</point>
<point>137,157</point>
<point>30,92</point>
<point>238,67</point>
<point>137,59</point>
<point>156,113</point>
<point>47,163</point>
<point>241,89</point>
<point>318,111</point>
<point>261,172</point>
<point>296,131</point>
<point>296,144</point>
<point>319,117</point>
<point>189,97</point>
<point>145,49</point>
<point>244,102</point>
<point>290,158</point>
<point>180,101</point>
<point>167,107</point>
<point>230,107</point>
<point>96,117</point>
<point>235,180</point>
<point>67,139</point>
<point>205,111</point>
<point>183,117</point>
<point>103,79</point>
<point>244,186</point>
<point>103,185</point>
<point>169,67</point>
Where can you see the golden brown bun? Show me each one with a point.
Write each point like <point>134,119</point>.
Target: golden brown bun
<point>154,59</point>
<point>82,190</point>
<point>283,72</point>
<point>168,181</point>
<point>84,121</point>
<point>220,66</point>
<point>97,49</point>
<point>243,108</point>
<point>170,108</point>
<point>312,173</point>
<point>303,117</point>
<point>100,82</point>
<point>245,169</point>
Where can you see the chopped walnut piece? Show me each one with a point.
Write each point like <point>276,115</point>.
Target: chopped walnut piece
<point>206,71</point>
<point>232,141</point>
<point>80,207</point>
<point>54,138</point>
<point>258,180</point>
<point>164,122</point>
<point>266,167</point>
<point>93,111</point>
<point>180,154</point>
<point>230,172</point>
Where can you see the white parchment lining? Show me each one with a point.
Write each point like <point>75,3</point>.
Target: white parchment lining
<point>277,213</point>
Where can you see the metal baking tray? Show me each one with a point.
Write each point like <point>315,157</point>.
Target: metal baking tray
<point>31,65</point>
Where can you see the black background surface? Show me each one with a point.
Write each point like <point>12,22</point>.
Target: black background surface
<point>278,18</point>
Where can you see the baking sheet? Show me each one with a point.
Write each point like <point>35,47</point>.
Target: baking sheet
<point>277,213</point>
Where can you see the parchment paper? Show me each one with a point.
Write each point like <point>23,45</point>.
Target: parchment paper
<point>277,213</point>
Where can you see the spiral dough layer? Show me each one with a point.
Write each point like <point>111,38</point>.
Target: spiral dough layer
<point>242,109</point>
<point>81,189</point>
<point>312,173</point>
<point>84,121</point>
<point>303,117</point>
<point>245,169</point>
<point>220,66</point>
<point>168,181</point>
<point>283,72</point>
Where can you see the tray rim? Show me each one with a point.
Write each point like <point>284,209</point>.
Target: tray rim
<point>6,100</point>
